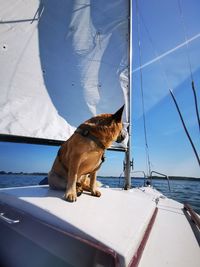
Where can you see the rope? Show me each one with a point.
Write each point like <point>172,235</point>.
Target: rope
<point>148,164</point>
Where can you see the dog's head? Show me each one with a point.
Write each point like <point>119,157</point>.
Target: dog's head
<point>117,118</point>
<point>106,127</point>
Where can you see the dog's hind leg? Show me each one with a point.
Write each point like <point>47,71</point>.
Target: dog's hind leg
<point>84,182</point>
<point>56,182</point>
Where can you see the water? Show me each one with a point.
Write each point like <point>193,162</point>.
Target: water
<point>19,180</point>
<point>181,190</point>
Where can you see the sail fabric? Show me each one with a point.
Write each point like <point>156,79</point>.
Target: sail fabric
<point>62,62</point>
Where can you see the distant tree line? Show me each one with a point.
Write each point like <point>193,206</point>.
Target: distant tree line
<point>22,173</point>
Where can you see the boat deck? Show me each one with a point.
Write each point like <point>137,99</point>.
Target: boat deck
<point>172,241</point>
<point>118,223</point>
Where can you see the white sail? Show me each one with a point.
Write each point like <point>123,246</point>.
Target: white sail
<point>62,62</point>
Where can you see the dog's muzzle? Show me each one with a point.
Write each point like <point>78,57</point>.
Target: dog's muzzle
<point>121,136</point>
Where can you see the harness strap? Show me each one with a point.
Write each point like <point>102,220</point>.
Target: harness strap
<point>87,134</point>
<point>102,160</point>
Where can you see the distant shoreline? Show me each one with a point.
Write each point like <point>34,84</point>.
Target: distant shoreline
<point>23,173</point>
<point>160,178</point>
<point>154,177</point>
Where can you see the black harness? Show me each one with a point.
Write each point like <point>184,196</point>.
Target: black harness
<point>86,133</point>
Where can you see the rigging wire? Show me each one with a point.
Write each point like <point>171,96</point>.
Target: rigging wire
<point>148,163</point>
<point>196,104</point>
<point>185,128</point>
<point>189,60</point>
<point>156,53</point>
<point>167,81</point>
<point>186,39</point>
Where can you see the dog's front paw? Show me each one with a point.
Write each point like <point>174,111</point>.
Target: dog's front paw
<point>71,197</point>
<point>96,193</point>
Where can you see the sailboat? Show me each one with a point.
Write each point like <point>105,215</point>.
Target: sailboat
<point>63,62</point>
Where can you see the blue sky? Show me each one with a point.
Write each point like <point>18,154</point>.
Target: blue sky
<point>169,149</point>
<point>164,28</point>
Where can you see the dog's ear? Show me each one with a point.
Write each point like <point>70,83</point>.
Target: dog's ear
<point>118,115</point>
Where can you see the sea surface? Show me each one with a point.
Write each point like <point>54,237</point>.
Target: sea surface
<point>181,190</point>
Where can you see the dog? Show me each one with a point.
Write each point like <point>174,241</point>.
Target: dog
<point>79,158</point>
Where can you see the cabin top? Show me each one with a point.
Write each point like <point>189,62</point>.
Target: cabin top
<point>116,221</point>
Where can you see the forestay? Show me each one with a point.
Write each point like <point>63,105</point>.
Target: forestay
<point>62,62</point>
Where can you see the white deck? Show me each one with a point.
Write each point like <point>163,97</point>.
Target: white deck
<point>172,241</point>
<point>118,219</point>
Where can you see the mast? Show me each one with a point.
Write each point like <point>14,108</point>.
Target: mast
<point>128,161</point>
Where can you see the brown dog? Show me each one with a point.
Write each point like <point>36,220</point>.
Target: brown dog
<point>81,155</point>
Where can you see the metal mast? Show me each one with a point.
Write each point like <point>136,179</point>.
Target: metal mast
<point>128,160</point>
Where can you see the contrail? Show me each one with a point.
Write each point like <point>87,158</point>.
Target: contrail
<point>167,53</point>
